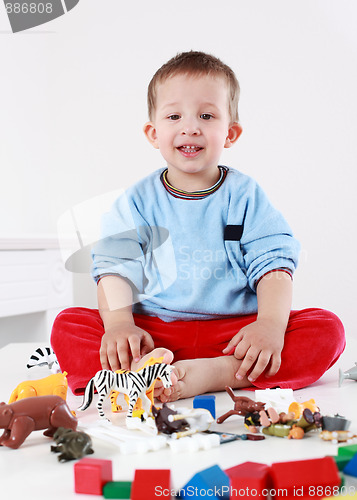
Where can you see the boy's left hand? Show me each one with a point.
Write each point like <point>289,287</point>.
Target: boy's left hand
<point>259,344</point>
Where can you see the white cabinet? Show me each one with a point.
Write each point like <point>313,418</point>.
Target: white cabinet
<point>33,280</point>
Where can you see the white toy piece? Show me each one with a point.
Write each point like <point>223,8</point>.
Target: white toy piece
<point>134,384</point>
<point>279,399</point>
<point>349,374</point>
<point>195,442</point>
<point>129,442</point>
<point>198,419</point>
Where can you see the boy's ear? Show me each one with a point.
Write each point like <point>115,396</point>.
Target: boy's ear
<point>150,132</point>
<point>234,132</point>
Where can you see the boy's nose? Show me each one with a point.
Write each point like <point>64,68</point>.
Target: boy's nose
<point>190,127</point>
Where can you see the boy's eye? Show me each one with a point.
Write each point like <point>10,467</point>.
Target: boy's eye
<point>206,116</point>
<point>174,117</point>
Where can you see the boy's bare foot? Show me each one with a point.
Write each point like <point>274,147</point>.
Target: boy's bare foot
<point>159,352</point>
<point>197,376</point>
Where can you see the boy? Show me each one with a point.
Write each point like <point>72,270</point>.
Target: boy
<point>195,260</point>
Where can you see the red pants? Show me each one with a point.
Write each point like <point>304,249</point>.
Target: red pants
<point>314,340</point>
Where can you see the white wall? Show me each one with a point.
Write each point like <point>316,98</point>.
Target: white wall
<point>73,102</point>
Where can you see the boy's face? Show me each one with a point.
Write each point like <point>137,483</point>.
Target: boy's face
<point>191,127</point>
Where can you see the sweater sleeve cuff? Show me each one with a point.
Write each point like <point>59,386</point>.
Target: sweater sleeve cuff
<point>284,270</point>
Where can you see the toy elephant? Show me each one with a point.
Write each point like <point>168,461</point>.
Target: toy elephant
<point>19,419</point>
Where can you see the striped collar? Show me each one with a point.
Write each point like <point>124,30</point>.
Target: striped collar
<point>195,195</point>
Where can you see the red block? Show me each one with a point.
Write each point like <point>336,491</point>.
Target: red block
<point>248,480</point>
<point>307,479</point>
<point>151,484</point>
<point>91,474</point>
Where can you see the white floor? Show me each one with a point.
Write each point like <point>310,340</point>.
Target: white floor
<point>33,472</point>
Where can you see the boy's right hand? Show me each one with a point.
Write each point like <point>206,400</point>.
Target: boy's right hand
<point>121,343</point>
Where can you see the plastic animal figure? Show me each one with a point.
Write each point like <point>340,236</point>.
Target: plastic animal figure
<point>268,417</point>
<point>43,356</point>
<point>242,406</point>
<point>296,432</point>
<point>252,421</point>
<point>138,409</point>
<point>335,423</point>
<point>349,374</point>
<point>19,419</point>
<point>265,418</point>
<point>165,425</point>
<point>55,384</point>
<point>298,408</point>
<point>134,384</point>
<point>278,430</point>
<point>294,428</point>
<point>337,436</point>
<point>71,444</point>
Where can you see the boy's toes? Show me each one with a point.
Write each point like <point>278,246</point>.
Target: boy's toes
<point>177,390</point>
<point>173,393</point>
<point>159,388</point>
<point>162,394</point>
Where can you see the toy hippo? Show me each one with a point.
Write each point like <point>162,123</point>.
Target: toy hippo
<point>71,444</point>
<point>19,419</point>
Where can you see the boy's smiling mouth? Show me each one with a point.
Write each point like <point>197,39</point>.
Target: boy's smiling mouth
<point>189,150</point>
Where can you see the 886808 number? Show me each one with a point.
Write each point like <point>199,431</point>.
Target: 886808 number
<point>29,8</point>
<point>326,491</point>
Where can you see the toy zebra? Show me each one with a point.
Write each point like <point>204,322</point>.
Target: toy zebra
<point>138,409</point>
<point>44,356</point>
<point>134,384</point>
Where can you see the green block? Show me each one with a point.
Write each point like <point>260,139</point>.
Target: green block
<point>117,489</point>
<point>347,451</point>
<point>341,461</point>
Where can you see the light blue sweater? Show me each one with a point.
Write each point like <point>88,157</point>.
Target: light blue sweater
<point>179,255</point>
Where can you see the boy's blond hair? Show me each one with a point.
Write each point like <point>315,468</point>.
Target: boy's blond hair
<point>195,63</point>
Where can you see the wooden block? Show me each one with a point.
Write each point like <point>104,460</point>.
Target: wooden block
<point>91,474</point>
<point>151,484</point>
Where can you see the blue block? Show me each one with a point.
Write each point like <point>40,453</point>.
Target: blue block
<point>212,483</point>
<point>351,467</point>
<point>206,401</point>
